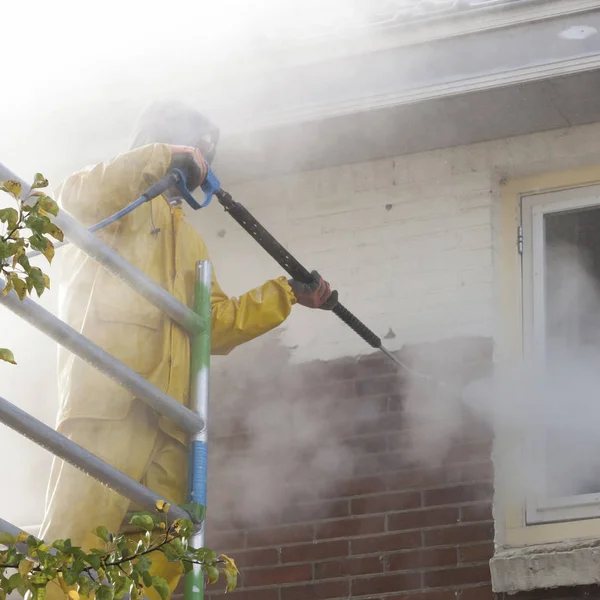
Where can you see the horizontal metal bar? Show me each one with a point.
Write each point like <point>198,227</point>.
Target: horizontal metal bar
<point>6,527</point>
<point>72,340</point>
<point>118,266</point>
<point>81,458</point>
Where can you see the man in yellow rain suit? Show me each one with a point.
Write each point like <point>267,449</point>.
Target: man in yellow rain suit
<point>95,412</point>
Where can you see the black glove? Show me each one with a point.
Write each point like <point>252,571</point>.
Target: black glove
<point>316,294</point>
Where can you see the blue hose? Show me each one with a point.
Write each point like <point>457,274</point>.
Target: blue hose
<point>119,215</point>
<point>175,178</point>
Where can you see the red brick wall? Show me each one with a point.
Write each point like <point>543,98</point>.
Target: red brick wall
<point>388,529</point>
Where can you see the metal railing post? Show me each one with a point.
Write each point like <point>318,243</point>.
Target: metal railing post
<point>199,394</point>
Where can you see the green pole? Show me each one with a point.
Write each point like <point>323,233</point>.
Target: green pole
<point>199,393</point>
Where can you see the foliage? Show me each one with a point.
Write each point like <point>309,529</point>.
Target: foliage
<point>27,227</point>
<point>121,566</point>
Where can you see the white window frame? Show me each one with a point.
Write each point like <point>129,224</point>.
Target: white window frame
<point>539,510</point>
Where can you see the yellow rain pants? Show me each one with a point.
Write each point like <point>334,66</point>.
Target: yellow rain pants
<point>94,411</point>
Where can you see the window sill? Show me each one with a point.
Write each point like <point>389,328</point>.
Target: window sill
<point>566,564</point>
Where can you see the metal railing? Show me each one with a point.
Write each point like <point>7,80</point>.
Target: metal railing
<point>192,420</point>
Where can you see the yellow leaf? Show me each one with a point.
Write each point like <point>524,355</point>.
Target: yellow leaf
<point>74,595</point>
<point>25,566</point>
<point>19,286</point>
<point>17,255</point>
<point>39,181</point>
<point>48,251</point>
<point>22,537</point>
<point>162,506</point>
<point>229,564</point>
<point>7,356</point>
<point>11,187</point>
<point>54,231</point>
<point>46,280</point>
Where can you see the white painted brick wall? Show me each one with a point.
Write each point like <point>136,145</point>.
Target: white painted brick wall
<point>409,242</point>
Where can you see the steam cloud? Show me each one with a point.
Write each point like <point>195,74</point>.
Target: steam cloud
<point>552,405</point>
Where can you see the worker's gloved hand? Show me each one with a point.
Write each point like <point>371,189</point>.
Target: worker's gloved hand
<point>191,162</point>
<point>316,294</point>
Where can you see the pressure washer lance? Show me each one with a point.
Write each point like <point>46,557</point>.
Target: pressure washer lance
<point>301,274</point>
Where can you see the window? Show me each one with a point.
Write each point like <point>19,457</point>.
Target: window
<point>561,329</point>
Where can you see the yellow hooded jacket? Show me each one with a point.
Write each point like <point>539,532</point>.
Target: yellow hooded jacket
<point>108,312</point>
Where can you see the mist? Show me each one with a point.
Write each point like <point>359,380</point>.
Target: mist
<point>77,85</point>
<point>549,403</point>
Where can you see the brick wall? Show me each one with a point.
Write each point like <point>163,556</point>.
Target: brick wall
<point>387,527</point>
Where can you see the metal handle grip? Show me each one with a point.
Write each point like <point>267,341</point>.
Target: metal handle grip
<point>289,263</point>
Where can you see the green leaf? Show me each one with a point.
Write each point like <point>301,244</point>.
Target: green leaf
<point>38,242</point>
<point>161,586</point>
<point>101,532</point>
<point>145,522</point>
<point>105,593</point>
<point>6,539</point>
<point>7,356</point>
<point>14,582</point>
<point>23,260</point>
<point>9,216</point>
<point>36,223</point>
<point>36,281</point>
<point>147,578</point>
<point>195,510</point>
<point>121,586</point>
<point>85,585</point>
<point>204,555</point>
<point>171,554</point>
<point>39,181</point>
<point>142,564</point>
<point>48,205</point>
<point>11,187</point>
<point>94,561</point>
